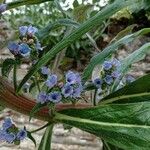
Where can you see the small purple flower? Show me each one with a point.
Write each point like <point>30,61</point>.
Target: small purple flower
<point>98,82</point>
<point>67,90</point>
<point>26,87</point>
<point>24,49</point>
<point>2,135</point>
<point>38,46</point>
<point>116,62</point>
<point>3,7</point>
<point>22,134</point>
<point>23,30</point>
<point>13,47</point>
<point>7,123</point>
<point>51,81</point>
<point>77,91</point>
<point>42,97</point>
<point>129,79</point>
<point>10,137</point>
<point>54,97</point>
<point>108,79</point>
<point>107,65</point>
<point>45,70</point>
<point>32,30</point>
<point>72,77</point>
<point>115,74</point>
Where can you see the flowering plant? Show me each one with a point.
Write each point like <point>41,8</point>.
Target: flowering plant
<point>118,112</point>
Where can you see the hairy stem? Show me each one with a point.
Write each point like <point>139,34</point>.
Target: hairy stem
<point>24,105</point>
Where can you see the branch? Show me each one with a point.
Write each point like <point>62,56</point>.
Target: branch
<point>24,105</point>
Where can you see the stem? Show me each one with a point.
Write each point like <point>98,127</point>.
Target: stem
<point>37,83</point>
<point>94,100</point>
<point>36,130</point>
<point>15,76</point>
<point>24,105</point>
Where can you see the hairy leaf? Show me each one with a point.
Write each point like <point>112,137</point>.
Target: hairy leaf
<point>137,91</point>
<point>46,139</point>
<point>7,66</point>
<point>100,57</point>
<point>126,126</point>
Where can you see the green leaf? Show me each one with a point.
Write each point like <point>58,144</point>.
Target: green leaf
<point>126,126</point>
<point>85,27</point>
<point>35,109</point>
<point>7,66</point>
<point>46,139</point>
<point>131,59</point>
<point>137,91</point>
<point>100,57</point>
<point>24,2</point>
<point>29,135</point>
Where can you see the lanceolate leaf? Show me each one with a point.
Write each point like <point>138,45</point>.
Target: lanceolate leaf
<point>7,66</point>
<point>99,58</point>
<point>46,139</point>
<point>85,27</point>
<point>137,91</point>
<point>31,138</point>
<point>24,2</point>
<point>126,126</point>
<point>132,58</point>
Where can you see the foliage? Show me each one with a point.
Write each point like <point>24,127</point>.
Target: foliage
<point>120,116</point>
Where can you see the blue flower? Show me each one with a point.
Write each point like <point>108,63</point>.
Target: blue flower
<point>72,77</point>
<point>129,79</point>
<point>26,87</point>
<point>108,79</point>
<point>13,47</point>
<point>3,7</point>
<point>38,46</point>
<point>42,97</point>
<point>107,65</point>
<point>10,137</point>
<point>51,81</point>
<point>7,123</point>
<point>24,49</point>
<point>2,135</point>
<point>67,90</point>
<point>54,97</point>
<point>45,70</point>
<point>22,134</point>
<point>23,30</point>
<point>115,74</point>
<point>77,91</point>
<point>32,30</point>
<point>98,82</point>
<point>116,62</point>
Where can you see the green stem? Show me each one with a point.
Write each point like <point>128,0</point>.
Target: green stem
<point>37,83</point>
<point>94,99</point>
<point>36,130</point>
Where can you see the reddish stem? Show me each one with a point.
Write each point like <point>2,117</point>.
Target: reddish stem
<point>24,105</point>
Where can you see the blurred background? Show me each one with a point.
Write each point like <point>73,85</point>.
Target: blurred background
<point>55,20</point>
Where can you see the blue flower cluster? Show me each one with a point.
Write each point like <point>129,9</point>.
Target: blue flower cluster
<point>109,74</point>
<point>10,133</point>
<point>71,87</point>
<point>3,8</point>
<point>27,43</point>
